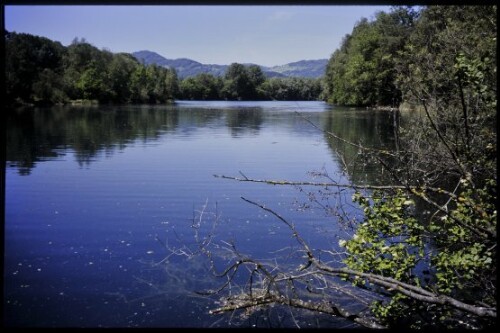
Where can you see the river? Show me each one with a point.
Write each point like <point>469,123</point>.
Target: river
<point>95,194</point>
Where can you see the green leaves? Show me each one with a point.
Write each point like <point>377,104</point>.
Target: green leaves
<point>39,70</point>
<point>249,82</point>
<point>362,71</point>
<point>201,87</point>
<point>389,239</point>
<point>241,83</point>
<point>468,258</point>
<point>391,242</point>
<point>32,66</point>
<point>473,76</point>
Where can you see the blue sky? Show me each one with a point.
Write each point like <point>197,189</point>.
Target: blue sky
<point>265,35</point>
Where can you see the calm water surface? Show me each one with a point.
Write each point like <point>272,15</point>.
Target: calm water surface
<point>93,193</point>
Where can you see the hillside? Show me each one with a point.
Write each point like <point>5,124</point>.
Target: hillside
<point>188,67</point>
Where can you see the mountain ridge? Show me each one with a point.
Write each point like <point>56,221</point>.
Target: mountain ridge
<point>186,67</point>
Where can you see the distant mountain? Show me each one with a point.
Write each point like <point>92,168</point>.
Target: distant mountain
<point>184,67</point>
<point>187,67</point>
<point>303,68</point>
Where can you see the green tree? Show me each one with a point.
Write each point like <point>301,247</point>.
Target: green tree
<point>236,83</point>
<point>44,72</point>
<point>201,87</point>
<point>172,84</point>
<point>32,64</point>
<point>138,85</point>
<point>120,71</point>
<point>91,84</point>
<point>155,84</point>
<point>48,88</point>
<point>291,89</point>
<point>362,71</point>
<point>85,71</point>
<point>256,78</point>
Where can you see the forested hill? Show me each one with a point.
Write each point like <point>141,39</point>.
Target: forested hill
<point>380,63</point>
<point>40,71</point>
<point>188,68</point>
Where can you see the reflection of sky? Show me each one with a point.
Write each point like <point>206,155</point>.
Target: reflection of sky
<point>77,237</point>
<point>251,116</point>
<point>270,106</point>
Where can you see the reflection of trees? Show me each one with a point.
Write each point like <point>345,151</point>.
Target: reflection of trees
<point>34,135</point>
<point>39,134</point>
<point>23,145</point>
<point>371,128</point>
<point>194,117</point>
<point>245,120</point>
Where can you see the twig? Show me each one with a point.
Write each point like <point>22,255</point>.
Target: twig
<point>334,184</point>
<point>390,284</point>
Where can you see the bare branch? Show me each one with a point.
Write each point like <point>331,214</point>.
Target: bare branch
<point>333,184</point>
<point>462,168</point>
<point>478,230</point>
<point>390,284</point>
<point>245,301</point>
<point>411,291</point>
<point>419,191</point>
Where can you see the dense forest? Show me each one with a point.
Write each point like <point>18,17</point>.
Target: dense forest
<point>380,62</point>
<point>42,72</point>
<point>249,83</point>
<point>441,60</point>
<point>363,70</point>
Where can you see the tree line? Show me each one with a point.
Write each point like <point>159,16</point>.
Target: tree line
<point>373,63</point>
<point>41,71</point>
<point>366,70</point>
<point>363,70</point>
<point>249,83</point>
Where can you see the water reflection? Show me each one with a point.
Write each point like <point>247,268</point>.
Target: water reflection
<point>368,128</point>
<point>35,135</point>
<point>79,242</point>
<point>244,121</point>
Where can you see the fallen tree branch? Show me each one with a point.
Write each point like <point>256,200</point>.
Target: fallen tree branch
<point>418,191</point>
<point>390,284</point>
<point>333,184</point>
<point>411,291</point>
<point>244,301</point>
